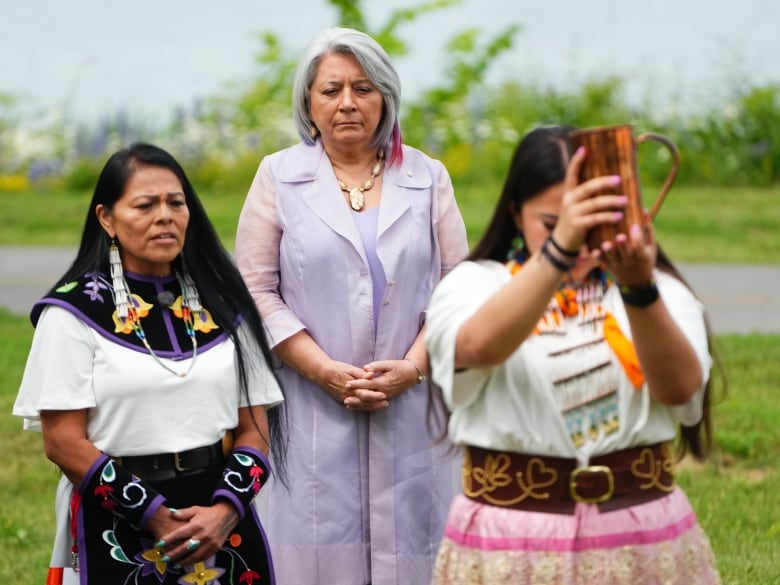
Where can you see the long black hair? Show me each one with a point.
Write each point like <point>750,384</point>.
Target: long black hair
<point>216,277</point>
<point>540,162</point>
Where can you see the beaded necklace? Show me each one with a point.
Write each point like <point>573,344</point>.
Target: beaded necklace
<point>127,313</point>
<point>584,302</point>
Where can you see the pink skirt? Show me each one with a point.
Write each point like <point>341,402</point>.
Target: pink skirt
<point>659,542</point>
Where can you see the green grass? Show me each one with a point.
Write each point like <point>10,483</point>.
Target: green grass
<point>735,494</point>
<point>695,224</point>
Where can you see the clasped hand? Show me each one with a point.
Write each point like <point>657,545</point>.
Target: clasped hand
<point>371,387</point>
<point>193,534</point>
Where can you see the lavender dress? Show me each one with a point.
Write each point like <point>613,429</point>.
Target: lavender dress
<point>368,493</point>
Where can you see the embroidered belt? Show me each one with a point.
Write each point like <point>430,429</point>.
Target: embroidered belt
<point>555,484</point>
<point>163,466</point>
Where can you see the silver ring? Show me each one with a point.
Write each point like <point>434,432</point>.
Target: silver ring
<point>193,543</point>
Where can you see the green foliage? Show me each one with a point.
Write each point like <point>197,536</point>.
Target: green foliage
<point>479,144</point>
<point>349,14</point>
<point>387,35</point>
<point>83,175</point>
<point>7,104</point>
<point>445,117</point>
<point>472,126</point>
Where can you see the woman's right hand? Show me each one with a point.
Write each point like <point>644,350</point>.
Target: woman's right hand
<point>581,209</point>
<point>333,376</point>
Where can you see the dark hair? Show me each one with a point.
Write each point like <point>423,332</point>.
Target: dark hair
<point>211,267</point>
<point>696,439</point>
<point>539,162</point>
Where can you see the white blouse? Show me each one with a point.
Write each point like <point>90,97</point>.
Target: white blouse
<point>136,407</point>
<point>559,394</point>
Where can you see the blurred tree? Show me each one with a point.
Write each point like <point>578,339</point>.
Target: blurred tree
<point>256,119</point>
<point>8,119</point>
<point>473,126</point>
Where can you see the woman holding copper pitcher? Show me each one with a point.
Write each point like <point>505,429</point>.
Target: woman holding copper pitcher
<point>568,372</point>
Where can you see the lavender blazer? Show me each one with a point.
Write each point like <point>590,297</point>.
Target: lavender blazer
<point>368,493</point>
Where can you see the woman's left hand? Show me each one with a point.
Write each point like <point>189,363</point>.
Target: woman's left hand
<point>391,378</point>
<point>631,258</point>
<point>205,532</point>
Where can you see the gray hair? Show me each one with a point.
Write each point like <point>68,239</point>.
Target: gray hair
<point>375,63</point>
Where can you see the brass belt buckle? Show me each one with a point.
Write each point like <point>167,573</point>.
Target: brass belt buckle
<point>177,463</point>
<point>592,469</point>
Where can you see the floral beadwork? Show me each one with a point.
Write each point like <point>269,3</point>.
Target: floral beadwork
<point>201,575</point>
<point>201,320</point>
<point>139,309</point>
<point>122,493</point>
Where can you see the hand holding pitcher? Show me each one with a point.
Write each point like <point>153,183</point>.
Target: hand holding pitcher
<point>611,150</point>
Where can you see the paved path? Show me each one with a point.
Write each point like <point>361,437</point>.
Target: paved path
<point>740,299</point>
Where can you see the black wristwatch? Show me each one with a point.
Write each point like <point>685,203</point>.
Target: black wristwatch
<point>640,296</point>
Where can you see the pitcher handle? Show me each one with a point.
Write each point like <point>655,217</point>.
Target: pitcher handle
<point>672,172</point>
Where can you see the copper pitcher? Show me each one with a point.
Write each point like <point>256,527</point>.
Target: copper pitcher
<point>612,150</point>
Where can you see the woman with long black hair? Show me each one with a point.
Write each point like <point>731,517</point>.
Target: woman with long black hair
<point>569,373</point>
<point>149,377</point>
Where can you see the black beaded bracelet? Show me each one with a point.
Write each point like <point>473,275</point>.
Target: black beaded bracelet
<point>561,265</point>
<point>562,250</point>
<point>640,296</point>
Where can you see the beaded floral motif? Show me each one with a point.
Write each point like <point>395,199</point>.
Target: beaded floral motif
<point>152,559</point>
<point>248,476</point>
<point>149,562</point>
<point>132,496</point>
<point>202,575</point>
<point>131,308</point>
<point>200,320</point>
<point>139,309</point>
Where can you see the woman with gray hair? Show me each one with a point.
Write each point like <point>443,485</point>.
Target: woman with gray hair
<point>341,240</point>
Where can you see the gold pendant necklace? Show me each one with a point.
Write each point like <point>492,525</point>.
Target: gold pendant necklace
<point>356,197</point>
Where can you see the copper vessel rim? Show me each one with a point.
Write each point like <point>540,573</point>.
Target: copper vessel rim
<point>605,128</point>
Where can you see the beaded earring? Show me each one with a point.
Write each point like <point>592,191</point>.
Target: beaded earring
<point>517,254</point>
<point>119,290</point>
<point>189,292</point>
<point>518,251</point>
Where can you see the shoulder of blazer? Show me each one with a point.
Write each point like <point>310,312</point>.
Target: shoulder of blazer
<point>417,171</point>
<point>299,163</point>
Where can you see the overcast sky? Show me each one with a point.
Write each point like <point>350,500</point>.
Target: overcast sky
<point>149,56</point>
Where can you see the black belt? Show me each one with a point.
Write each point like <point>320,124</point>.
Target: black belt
<point>162,466</point>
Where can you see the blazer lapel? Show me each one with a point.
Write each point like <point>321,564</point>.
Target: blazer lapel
<point>400,184</point>
<point>310,164</point>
